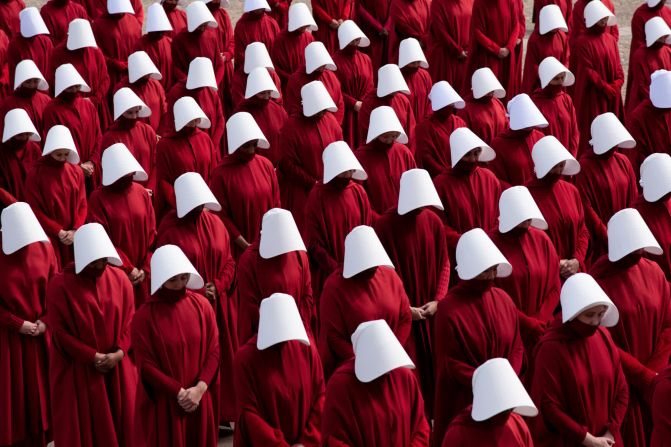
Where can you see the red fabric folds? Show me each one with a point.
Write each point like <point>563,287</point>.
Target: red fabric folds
<point>511,432</point>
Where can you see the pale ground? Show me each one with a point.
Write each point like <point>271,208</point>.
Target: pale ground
<point>623,8</point>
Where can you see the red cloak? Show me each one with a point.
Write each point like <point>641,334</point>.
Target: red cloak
<point>495,25</point>
<point>9,16</point>
<point>509,432</point>
<point>288,53</point>
<point>415,243</point>
<point>302,142</point>
<point>660,409</point>
<point>599,78</point>
<point>280,395</point>
<point>325,11</point>
<point>57,15</point>
<point>225,32</point>
<point>384,165</point>
<point>408,18</point>
<point>373,17</point>
<point>642,295</point>
<point>513,164</point>
<point>433,140</point>
<point>578,387</point>
<point>253,28</point>
<point>651,128</point>
<point>175,346</point>
<point>561,205</point>
<point>486,117</point>
<point>450,36</point>
<point>37,48</point>
<point>86,316</point>
<point>271,118</point>
<point>280,12</point>
<point>355,72</point>
<point>14,166</point>
<point>553,43</point>
<point>246,191</point>
<point>190,150</point>
<point>607,184</point>
<point>292,99</point>
<point>32,101</point>
<point>641,15</point>
<point>151,92</point>
<point>24,411</point>
<point>657,215</point>
<point>238,87</point>
<point>258,278</point>
<point>358,414</point>
<point>374,294</point>
<point>474,323</point>
<point>419,82</point>
<point>187,46</point>
<point>56,193</point>
<point>158,46</point>
<point>643,63</point>
<point>204,240</point>
<point>331,212</point>
<point>402,106</point>
<point>128,218</point>
<point>177,18</point>
<point>557,107</point>
<point>140,139</point>
<point>534,284</point>
<point>578,27</point>
<point>6,85</point>
<point>95,9</point>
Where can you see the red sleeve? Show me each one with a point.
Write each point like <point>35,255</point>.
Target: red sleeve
<point>320,14</point>
<point>159,381</point>
<point>217,187</point>
<point>312,430</point>
<point>81,209</point>
<point>486,42</point>
<point>441,31</point>
<point>210,369</point>
<point>72,346</point>
<point>289,164</point>
<point>405,316</point>
<point>583,235</point>
<point>10,321</point>
<point>443,280</point>
<point>248,302</point>
<point>334,343</point>
<point>638,375</point>
<point>6,198</point>
<point>421,433</point>
<point>621,399</point>
<point>51,227</point>
<point>367,18</point>
<point>659,359</point>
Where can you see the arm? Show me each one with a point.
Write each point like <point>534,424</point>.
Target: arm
<point>620,400</point>
<point>486,42</point>
<point>311,434</point>
<point>210,369</point>
<point>248,301</point>
<point>10,321</point>
<point>320,14</point>
<point>367,18</point>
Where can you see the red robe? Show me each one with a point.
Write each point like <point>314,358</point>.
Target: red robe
<point>660,409</point>
<point>324,12</point>
<point>140,139</point>
<point>158,46</point>
<point>561,205</point>
<point>32,101</point>
<point>280,12</point>
<point>271,118</point>
<point>497,25</point>
<point>86,316</point>
<point>37,48</point>
<point>456,188</point>
<point>24,412</point>
<point>9,16</point>
<point>355,72</point>
<point>486,117</point>
<point>419,82</point>
<point>177,18</point>
<point>288,53</point>
<point>204,240</point>
<point>208,100</point>
<point>253,28</point>
<point>657,215</point>
<point>190,150</point>
<point>331,212</point>
<point>578,27</point>
<point>6,85</point>
<point>557,107</point>
<point>95,9</point>
<point>578,386</point>
<point>56,193</point>
<point>128,218</point>
<point>152,93</point>
<point>358,414</point>
<point>225,32</point>
<point>57,15</point>
<point>280,395</point>
<point>651,128</point>
<point>175,346</point>
<point>187,46</point>
<point>374,294</point>
<point>293,100</point>
<point>607,184</point>
<point>513,164</point>
<point>402,106</point>
<point>433,140</point>
<point>643,63</point>
<point>554,43</point>
<point>450,35</point>
<point>373,16</point>
<point>259,278</point>
<point>246,191</point>
<point>474,323</point>
<point>302,143</point>
<point>641,15</point>
<point>599,78</point>
<point>384,166</point>
<point>416,246</point>
<point>408,18</point>
<point>495,432</point>
<point>14,166</point>
<point>642,295</point>
<point>534,284</point>
<point>238,87</point>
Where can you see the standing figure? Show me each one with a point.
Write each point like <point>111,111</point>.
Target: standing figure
<point>549,39</point>
<point>485,113</point>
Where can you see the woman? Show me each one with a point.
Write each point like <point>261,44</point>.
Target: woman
<point>407,18</point>
<point>414,67</point>
<point>175,347</point>
<point>57,15</point>
<point>577,380</point>
<point>330,14</point>
<point>157,43</point>
<point>289,47</point>
<point>484,113</point>
<point>32,43</point>
<point>144,79</point>
<point>646,11</point>
<point>225,34</point>
<point>245,184</point>
<point>549,39</point>
<point>474,323</point>
<point>27,263</point>
<point>256,55</point>
<point>30,92</point>
<point>255,25</point>
<point>18,152</point>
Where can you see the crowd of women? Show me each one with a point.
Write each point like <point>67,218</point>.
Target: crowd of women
<point>356,223</point>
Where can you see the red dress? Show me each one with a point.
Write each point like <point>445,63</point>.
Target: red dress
<point>32,101</point>
<point>37,48</point>
<point>657,215</point>
<point>408,18</point>
<point>495,432</point>
<point>158,45</point>
<point>643,63</point>
<point>324,12</point>
<point>641,15</point>
<point>373,16</point>
<point>293,100</point>
<point>9,16</point>
<point>513,164</point>
<point>151,92</point>
<point>554,43</point>
<point>651,128</point>
<point>419,82</point>
<point>57,15</point>
<point>433,140</point>
<point>288,53</point>
<point>253,28</point>
<point>660,409</point>
<point>186,46</point>
<point>486,117</point>
<point>271,118</point>
<point>15,163</point>
<point>557,107</point>
<point>402,106</point>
